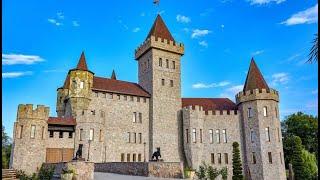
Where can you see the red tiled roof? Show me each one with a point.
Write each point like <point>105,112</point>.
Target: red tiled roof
<point>62,121</point>
<point>82,64</point>
<point>159,29</point>
<point>210,103</point>
<point>122,87</point>
<point>254,78</point>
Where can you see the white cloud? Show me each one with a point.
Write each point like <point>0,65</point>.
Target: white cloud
<point>199,33</point>
<point>60,15</point>
<point>280,78</point>
<point>123,25</point>
<point>263,2</point>
<point>212,85</point>
<point>75,23</point>
<point>183,19</point>
<point>203,43</point>
<point>55,22</point>
<point>142,14</point>
<point>307,16</point>
<point>136,29</point>
<point>235,89</point>
<point>314,91</point>
<point>11,59</point>
<point>15,74</point>
<point>257,52</point>
<point>54,70</point>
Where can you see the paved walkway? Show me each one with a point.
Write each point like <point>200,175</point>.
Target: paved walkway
<point>111,176</point>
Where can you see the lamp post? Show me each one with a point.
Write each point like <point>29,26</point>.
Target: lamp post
<point>144,152</point>
<point>89,149</point>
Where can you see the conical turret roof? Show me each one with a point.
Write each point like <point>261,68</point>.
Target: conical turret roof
<point>254,78</point>
<point>82,64</point>
<point>113,75</point>
<point>160,30</point>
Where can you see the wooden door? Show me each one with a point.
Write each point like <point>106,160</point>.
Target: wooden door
<point>55,155</point>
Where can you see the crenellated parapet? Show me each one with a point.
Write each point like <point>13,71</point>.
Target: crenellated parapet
<point>26,111</point>
<point>200,110</point>
<point>159,43</point>
<point>257,94</point>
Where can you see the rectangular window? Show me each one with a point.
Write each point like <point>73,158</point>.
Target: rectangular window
<point>51,134</point>
<point>134,157</point>
<point>81,84</point>
<point>267,133</point>
<point>91,134</point>
<point>144,100</point>
<point>249,112</point>
<point>167,63</point>
<point>171,83</point>
<point>187,135</point>
<point>270,157</point>
<point>226,160</point>
<point>254,160</point>
<point>60,134</point>
<point>148,64</point>
<point>279,136</point>
<point>81,134</point>
<point>160,62</point>
<point>140,138</point>
<point>138,99</point>
<point>211,135</point>
<point>140,117</point>
<point>135,137</point>
<point>281,158</point>
<point>212,158</point>
<point>224,135</point>
<point>104,95</point>
<point>70,134</point>
<point>131,98</point>
<point>218,136</point>
<point>20,132</point>
<point>265,111</point>
<point>128,137</point>
<point>125,98</point>
<point>200,135</point>
<point>128,157</point>
<point>122,157</point>
<point>82,113</point>
<point>219,158</point>
<point>162,82</point>
<point>134,117</point>
<point>33,131</point>
<point>173,64</point>
<point>139,157</point>
<point>97,94</point>
<point>118,97</point>
<point>110,95</point>
<point>100,135</point>
<point>251,135</point>
<point>194,135</point>
<point>42,134</point>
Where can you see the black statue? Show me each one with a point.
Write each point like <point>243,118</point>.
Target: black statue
<point>79,152</point>
<point>156,154</point>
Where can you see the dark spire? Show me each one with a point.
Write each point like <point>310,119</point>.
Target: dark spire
<point>82,65</point>
<point>159,29</point>
<point>254,78</point>
<point>113,75</point>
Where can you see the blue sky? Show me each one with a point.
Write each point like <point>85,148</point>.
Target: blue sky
<point>42,40</point>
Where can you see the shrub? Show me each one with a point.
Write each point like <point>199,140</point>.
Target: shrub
<point>224,173</point>
<point>212,173</point>
<point>201,173</point>
<point>46,172</point>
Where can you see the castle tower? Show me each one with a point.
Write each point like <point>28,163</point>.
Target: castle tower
<point>75,94</point>
<point>261,131</point>
<point>160,74</point>
<point>29,138</point>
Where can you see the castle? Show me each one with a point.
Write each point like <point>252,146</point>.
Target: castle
<point>120,121</point>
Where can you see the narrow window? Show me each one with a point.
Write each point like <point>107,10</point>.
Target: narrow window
<point>125,98</point>
<point>219,158</point>
<point>148,64</point>
<point>93,112</point>
<point>91,135</point>
<point>81,134</point>
<point>160,62</point>
<point>128,137</point>
<point>270,157</point>
<point>100,135</point>
<point>20,132</point>
<point>122,157</point>
<point>167,63</point>
<point>212,158</point>
<point>251,135</point>
<point>249,112</point>
<point>82,113</point>
<point>139,157</point>
<point>140,117</point>
<point>97,94</point>
<point>265,111</point>
<point>42,134</point>
<point>102,114</point>
<point>74,84</point>
<point>194,135</point>
<point>276,111</point>
<point>140,138</point>
<point>51,134</point>
<point>70,134</point>
<point>267,132</point>
<point>131,98</point>
<point>118,97</point>
<point>110,95</point>
<point>33,131</point>
<point>224,135</point>
<point>173,65</point>
<point>134,157</point>
<point>171,83</point>
<point>279,136</point>
<point>60,134</point>
<point>144,100</point>
<point>128,157</point>
<point>226,160</point>
<point>138,99</point>
<point>254,161</point>
<point>135,137</point>
<point>281,158</point>
<point>218,135</point>
<point>81,85</point>
<point>187,135</point>
<point>134,117</point>
<point>200,135</point>
<point>104,95</point>
<point>162,82</point>
<point>211,135</point>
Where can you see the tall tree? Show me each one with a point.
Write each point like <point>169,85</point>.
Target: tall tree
<point>310,163</point>
<point>299,169</point>
<point>236,162</point>
<point>6,148</point>
<point>313,55</point>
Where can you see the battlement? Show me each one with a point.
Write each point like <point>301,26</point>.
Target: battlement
<point>199,109</point>
<point>159,43</point>
<point>262,94</point>
<point>26,111</point>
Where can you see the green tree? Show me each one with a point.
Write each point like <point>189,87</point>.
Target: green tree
<point>212,173</point>
<point>309,161</point>
<point>299,168</point>
<point>313,54</point>
<point>236,162</point>
<point>201,173</point>
<point>6,149</point>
